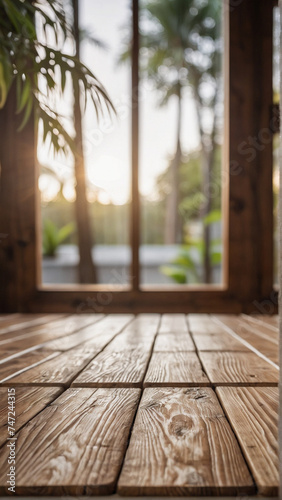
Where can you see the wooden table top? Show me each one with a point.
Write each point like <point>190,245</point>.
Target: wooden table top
<point>147,405</point>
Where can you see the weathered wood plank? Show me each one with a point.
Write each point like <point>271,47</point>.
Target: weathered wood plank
<point>175,323</point>
<point>182,444</point>
<point>218,342</point>
<point>115,369</point>
<point>253,414</point>
<point>265,344</point>
<point>236,368</point>
<point>139,334</point>
<point>59,371</point>
<point>98,334</point>
<point>241,326</point>
<point>82,436</point>
<point>62,326</point>
<point>58,328</point>
<point>3,317</point>
<point>178,369</point>
<point>245,323</point>
<point>19,364</point>
<point>266,330</point>
<point>38,335</point>
<point>171,342</point>
<point>124,361</point>
<point>29,402</point>
<point>129,341</point>
<point>269,320</point>
<point>203,324</point>
<point>23,321</point>
<point>143,325</point>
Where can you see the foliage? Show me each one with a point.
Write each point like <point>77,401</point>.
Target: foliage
<point>185,268</point>
<point>191,196</point>
<point>53,237</point>
<point>181,38</point>
<point>38,66</point>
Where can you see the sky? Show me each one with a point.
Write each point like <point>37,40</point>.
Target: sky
<point>107,144</point>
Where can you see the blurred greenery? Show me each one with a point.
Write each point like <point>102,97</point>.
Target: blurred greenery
<point>188,265</point>
<point>53,236</point>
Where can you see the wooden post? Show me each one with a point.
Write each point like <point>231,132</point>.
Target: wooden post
<point>18,218</point>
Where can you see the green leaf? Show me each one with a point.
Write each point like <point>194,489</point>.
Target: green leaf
<point>63,79</point>
<point>213,216</point>
<point>65,232</point>
<point>53,237</point>
<point>3,86</point>
<point>185,261</point>
<point>24,95</point>
<point>176,274</point>
<point>216,258</point>
<point>27,113</point>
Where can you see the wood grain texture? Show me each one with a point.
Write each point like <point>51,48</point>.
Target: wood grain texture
<point>23,321</point>
<point>75,446</point>
<point>178,369</point>
<point>236,368</point>
<point>98,334</point>
<point>58,328</point>
<point>250,219</point>
<point>21,363</point>
<point>29,402</point>
<point>267,330</point>
<point>39,335</point>
<point>182,444</point>
<point>115,369</point>
<point>175,323</point>
<point>139,334</point>
<point>203,324</point>
<point>59,371</point>
<point>243,324</point>
<point>263,343</point>
<point>171,342</point>
<point>143,325</point>
<point>18,190</point>
<point>253,414</point>
<point>218,342</point>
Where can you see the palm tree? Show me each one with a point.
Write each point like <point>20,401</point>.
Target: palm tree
<point>182,37</point>
<point>87,270</point>
<point>30,65</point>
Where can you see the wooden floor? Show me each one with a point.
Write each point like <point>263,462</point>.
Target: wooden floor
<point>149,405</point>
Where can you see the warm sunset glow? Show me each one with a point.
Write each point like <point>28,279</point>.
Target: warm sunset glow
<point>48,187</point>
<point>110,175</point>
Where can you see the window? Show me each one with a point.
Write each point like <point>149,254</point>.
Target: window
<point>244,185</point>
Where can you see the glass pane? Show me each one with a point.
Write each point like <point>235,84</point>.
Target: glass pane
<point>181,141</point>
<point>106,145</point>
<point>276,99</point>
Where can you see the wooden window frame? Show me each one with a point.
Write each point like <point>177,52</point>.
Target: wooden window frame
<point>247,196</point>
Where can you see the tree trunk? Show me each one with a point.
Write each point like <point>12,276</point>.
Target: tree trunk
<point>207,168</point>
<point>173,232</point>
<point>207,163</point>
<point>87,271</point>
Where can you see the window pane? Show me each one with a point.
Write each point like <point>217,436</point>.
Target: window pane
<point>181,141</point>
<point>106,147</point>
